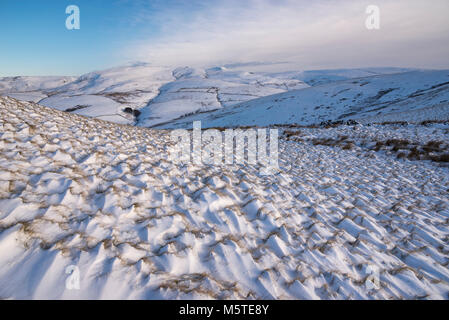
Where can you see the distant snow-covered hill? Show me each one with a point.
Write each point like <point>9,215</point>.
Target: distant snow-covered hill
<point>198,90</point>
<point>101,94</point>
<point>31,88</point>
<point>163,94</point>
<point>408,96</point>
<point>320,77</point>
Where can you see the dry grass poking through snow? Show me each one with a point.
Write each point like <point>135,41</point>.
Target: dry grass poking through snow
<point>104,197</point>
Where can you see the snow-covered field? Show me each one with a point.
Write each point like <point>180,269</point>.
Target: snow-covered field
<point>104,198</point>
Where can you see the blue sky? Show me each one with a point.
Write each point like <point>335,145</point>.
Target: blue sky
<point>35,41</point>
<point>307,34</point>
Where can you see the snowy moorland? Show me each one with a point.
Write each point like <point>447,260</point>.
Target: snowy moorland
<point>348,202</point>
<point>412,96</point>
<point>162,94</point>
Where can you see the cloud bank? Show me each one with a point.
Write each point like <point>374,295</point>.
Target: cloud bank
<point>308,34</point>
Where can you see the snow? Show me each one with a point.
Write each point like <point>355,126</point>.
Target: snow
<point>30,84</point>
<point>411,96</point>
<point>90,105</point>
<point>79,191</point>
<point>160,93</point>
<point>163,94</point>
<point>320,77</point>
<point>27,96</point>
<point>199,90</point>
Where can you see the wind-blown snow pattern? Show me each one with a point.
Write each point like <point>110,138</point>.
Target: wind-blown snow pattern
<point>103,197</point>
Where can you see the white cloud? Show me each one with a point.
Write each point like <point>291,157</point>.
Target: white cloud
<point>310,34</point>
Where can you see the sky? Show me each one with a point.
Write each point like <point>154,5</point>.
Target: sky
<point>302,34</point>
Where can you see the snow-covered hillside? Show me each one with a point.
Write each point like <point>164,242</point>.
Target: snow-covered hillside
<point>197,90</point>
<point>162,94</point>
<point>31,88</point>
<point>31,84</point>
<point>410,96</point>
<point>320,77</point>
<point>83,194</point>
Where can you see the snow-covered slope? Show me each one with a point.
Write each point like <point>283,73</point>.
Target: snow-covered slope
<point>312,77</point>
<point>105,94</point>
<point>197,90</point>
<point>31,88</point>
<point>82,194</point>
<point>101,94</point>
<point>161,93</point>
<point>409,96</point>
<point>320,77</point>
<point>30,84</point>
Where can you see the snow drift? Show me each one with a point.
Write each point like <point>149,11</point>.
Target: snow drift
<point>83,194</point>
